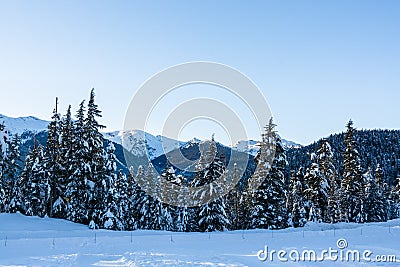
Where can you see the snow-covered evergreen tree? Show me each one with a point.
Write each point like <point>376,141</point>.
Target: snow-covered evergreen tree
<point>172,219</point>
<point>318,177</point>
<point>233,199</point>
<point>66,159</point>
<point>151,212</point>
<point>108,207</point>
<point>383,191</point>
<point>316,192</point>
<point>334,209</point>
<point>269,199</point>
<point>53,168</point>
<point>352,184</point>
<point>95,161</point>
<point>38,186</point>
<point>3,147</point>
<point>134,194</point>
<point>374,202</point>
<point>295,204</point>
<point>394,200</point>
<point>211,216</point>
<point>330,176</point>
<point>12,166</point>
<point>76,192</point>
<point>116,212</point>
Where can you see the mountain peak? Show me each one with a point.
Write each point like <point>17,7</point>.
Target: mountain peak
<point>23,124</point>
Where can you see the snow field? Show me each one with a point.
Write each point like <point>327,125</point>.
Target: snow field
<point>33,241</point>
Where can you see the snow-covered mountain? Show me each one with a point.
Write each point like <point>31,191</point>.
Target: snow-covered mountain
<point>155,146</point>
<point>251,146</point>
<point>131,140</point>
<point>23,124</point>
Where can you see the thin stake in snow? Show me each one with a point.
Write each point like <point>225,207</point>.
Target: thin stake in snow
<point>5,242</point>
<point>54,243</point>
<point>131,237</point>
<point>172,240</point>
<point>95,238</point>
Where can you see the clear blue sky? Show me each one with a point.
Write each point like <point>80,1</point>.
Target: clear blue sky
<point>319,63</point>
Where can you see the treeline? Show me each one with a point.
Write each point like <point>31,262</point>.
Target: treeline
<point>75,177</point>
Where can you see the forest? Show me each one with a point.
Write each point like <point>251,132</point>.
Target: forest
<point>347,177</point>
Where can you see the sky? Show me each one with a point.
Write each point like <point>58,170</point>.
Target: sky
<point>318,63</point>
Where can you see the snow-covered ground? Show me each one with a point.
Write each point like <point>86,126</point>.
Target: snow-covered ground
<point>33,241</point>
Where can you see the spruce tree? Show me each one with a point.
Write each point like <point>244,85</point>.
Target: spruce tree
<point>352,184</point>
<point>116,205</point>
<point>211,216</point>
<point>134,194</point>
<point>38,186</point>
<point>54,169</point>
<point>95,161</point>
<point>269,199</point>
<point>3,147</point>
<point>66,154</point>
<point>395,200</point>
<point>334,208</point>
<point>11,171</point>
<point>316,192</point>
<point>22,200</point>
<point>233,200</point>
<point>319,177</point>
<point>150,214</point>
<point>77,193</point>
<point>383,192</point>
<point>295,200</point>
<point>374,202</point>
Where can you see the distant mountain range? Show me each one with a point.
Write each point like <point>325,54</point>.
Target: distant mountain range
<point>155,145</point>
<point>375,147</point>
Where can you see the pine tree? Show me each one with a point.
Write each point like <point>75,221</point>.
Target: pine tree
<point>94,159</point>
<point>77,193</point>
<point>318,177</point>
<point>269,199</point>
<point>10,173</point>
<point>244,211</point>
<point>211,216</point>
<point>233,200</point>
<point>171,214</point>
<point>116,205</point>
<point>66,157</point>
<point>134,195</point>
<point>334,201</point>
<point>316,192</point>
<point>331,181</point>
<point>352,184</point>
<point>3,148</point>
<point>150,208</point>
<point>38,186</point>
<point>374,202</point>
<point>21,202</point>
<point>383,192</point>
<point>395,200</point>
<point>53,168</point>
<point>295,200</point>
